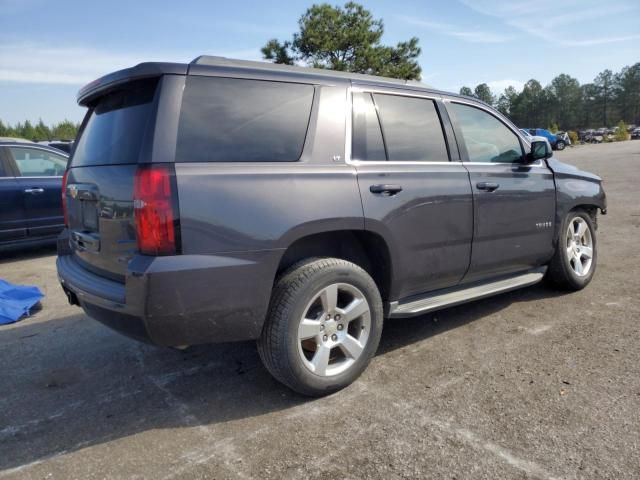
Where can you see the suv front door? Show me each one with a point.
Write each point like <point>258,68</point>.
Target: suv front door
<point>413,194</point>
<point>514,202</point>
<point>39,179</point>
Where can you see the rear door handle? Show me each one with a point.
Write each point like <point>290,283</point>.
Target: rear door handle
<point>487,186</point>
<point>385,189</point>
<point>34,191</point>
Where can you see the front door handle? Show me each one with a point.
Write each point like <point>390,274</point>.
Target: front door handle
<point>34,191</point>
<point>487,186</point>
<point>385,189</point>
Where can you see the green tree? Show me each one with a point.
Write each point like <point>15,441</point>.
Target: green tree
<point>65,130</point>
<point>483,92</point>
<point>42,132</point>
<point>604,85</point>
<point>621,131</point>
<point>507,100</point>
<point>466,91</point>
<point>26,130</point>
<point>346,39</point>
<point>553,128</point>
<point>565,95</point>
<point>627,90</point>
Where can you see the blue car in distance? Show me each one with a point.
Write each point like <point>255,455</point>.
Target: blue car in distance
<point>30,193</point>
<point>556,142</point>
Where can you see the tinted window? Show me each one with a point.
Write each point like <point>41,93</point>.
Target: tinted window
<point>33,162</point>
<point>367,141</point>
<point>411,128</point>
<point>487,138</point>
<point>117,126</point>
<point>233,120</point>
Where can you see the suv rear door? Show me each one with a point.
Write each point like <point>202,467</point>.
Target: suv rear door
<point>13,224</point>
<point>39,180</point>
<point>115,137</point>
<point>514,202</point>
<point>415,192</point>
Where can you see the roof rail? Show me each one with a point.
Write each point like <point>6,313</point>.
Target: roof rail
<point>215,61</point>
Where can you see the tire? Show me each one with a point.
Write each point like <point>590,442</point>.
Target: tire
<point>294,352</point>
<point>564,272</point>
<point>560,145</point>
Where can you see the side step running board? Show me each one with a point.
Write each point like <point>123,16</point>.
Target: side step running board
<point>435,301</point>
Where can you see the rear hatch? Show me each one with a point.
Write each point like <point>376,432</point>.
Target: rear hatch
<point>116,136</point>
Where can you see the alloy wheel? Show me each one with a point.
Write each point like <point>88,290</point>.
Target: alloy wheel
<point>334,329</point>
<point>579,245</point>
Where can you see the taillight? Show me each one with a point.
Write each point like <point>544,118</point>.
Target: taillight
<point>155,212</point>
<point>64,198</point>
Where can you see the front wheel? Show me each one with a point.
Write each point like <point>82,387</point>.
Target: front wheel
<point>574,263</point>
<point>560,145</point>
<point>324,326</point>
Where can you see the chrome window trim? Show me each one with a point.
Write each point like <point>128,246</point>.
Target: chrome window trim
<point>349,128</point>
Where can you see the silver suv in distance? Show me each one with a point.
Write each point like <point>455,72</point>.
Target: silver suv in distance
<point>226,200</point>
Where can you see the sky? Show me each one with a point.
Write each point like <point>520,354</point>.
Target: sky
<point>49,49</point>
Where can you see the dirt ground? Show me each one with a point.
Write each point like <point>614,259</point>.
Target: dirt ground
<point>529,384</point>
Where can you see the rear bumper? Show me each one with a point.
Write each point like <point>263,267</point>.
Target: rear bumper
<point>177,300</point>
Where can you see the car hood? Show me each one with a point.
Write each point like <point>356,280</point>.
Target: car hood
<point>567,170</point>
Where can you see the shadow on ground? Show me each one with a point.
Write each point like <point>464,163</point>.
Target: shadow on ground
<point>14,254</point>
<point>72,383</point>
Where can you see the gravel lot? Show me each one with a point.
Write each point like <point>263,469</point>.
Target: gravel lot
<point>529,384</point>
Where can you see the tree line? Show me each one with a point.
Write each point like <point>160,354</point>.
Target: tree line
<point>65,130</point>
<point>609,99</point>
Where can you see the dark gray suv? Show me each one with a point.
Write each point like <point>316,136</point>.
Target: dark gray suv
<point>227,200</point>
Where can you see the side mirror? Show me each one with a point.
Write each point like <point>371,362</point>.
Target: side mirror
<point>539,151</point>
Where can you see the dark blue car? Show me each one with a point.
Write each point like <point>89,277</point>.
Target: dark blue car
<point>30,193</point>
<point>556,142</point>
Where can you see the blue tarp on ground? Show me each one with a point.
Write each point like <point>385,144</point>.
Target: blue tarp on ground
<point>16,301</point>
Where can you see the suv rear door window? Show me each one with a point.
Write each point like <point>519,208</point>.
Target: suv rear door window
<point>117,126</point>
<point>487,139</point>
<point>237,120</point>
<point>411,128</point>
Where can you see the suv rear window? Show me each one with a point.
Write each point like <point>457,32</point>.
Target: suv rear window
<point>116,126</point>
<point>236,120</point>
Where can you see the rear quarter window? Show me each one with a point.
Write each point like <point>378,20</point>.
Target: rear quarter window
<point>237,120</point>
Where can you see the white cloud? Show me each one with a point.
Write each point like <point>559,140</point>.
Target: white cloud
<point>547,20</point>
<point>37,63</point>
<point>474,36</point>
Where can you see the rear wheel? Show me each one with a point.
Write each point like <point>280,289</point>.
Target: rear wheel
<point>574,262</point>
<point>324,326</point>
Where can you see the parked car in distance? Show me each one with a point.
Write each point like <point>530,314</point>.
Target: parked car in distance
<point>15,140</point>
<point>635,134</point>
<point>64,145</point>
<point>229,200</point>
<point>530,138</point>
<point>30,193</point>
<point>556,143</point>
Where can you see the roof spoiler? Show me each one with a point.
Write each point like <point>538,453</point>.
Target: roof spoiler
<point>143,70</point>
